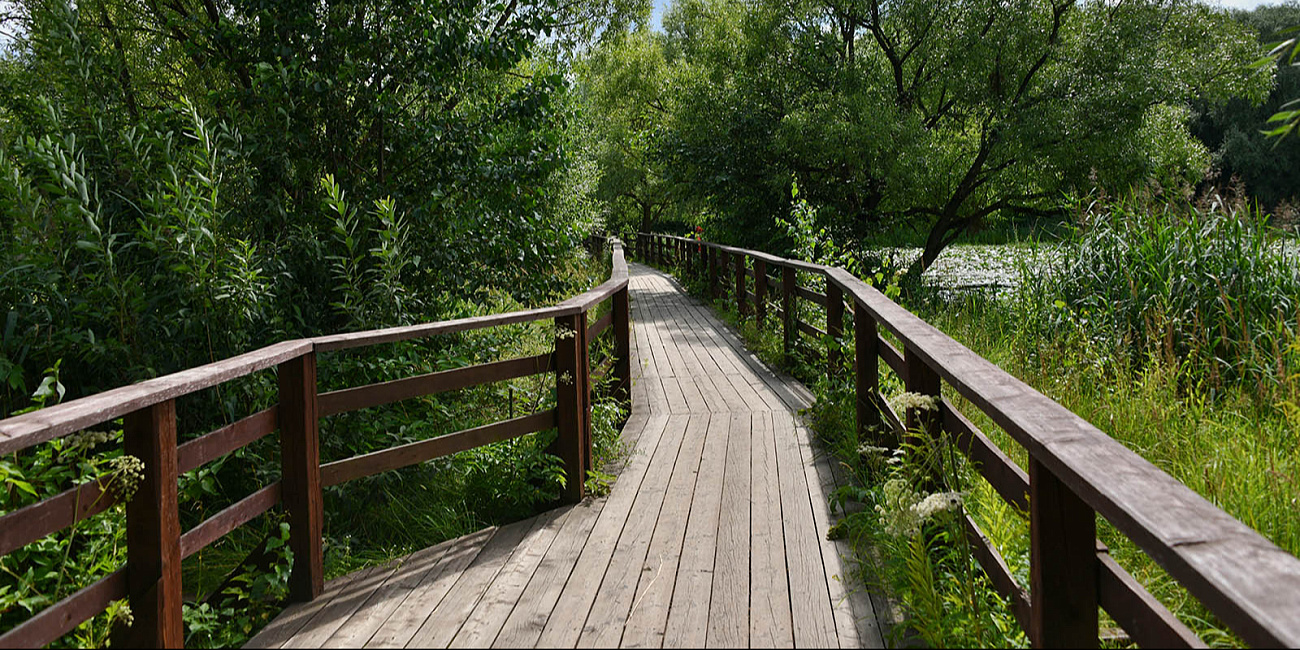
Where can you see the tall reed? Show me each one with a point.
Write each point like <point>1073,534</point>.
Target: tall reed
<point>1202,286</point>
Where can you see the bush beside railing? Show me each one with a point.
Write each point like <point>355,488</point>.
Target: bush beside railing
<point>151,578</point>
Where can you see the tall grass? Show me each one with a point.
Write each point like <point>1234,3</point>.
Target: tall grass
<point>1203,287</point>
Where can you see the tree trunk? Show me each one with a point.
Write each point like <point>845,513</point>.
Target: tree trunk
<point>646,216</point>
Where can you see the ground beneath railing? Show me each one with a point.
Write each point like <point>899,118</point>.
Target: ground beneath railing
<point>713,535</point>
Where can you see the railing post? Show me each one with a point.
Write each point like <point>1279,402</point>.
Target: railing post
<point>703,252</point>
<point>622,347</point>
<point>713,272</point>
<point>1062,564</point>
<point>787,306</point>
<point>300,475</point>
<point>153,533</point>
<point>866,345</point>
<point>760,291</point>
<point>570,402</point>
<point>923,426</point>
<point>742,307</point>
<point>834,327</point>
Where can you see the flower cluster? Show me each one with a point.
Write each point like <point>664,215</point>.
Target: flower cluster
<point>564,332</point>
<point>936,503</point>
<point>86,440</point>
<point>898,509</point>
<point>872,449</point>
<point>124,615</point>
<point>128,472</point>
<point>905,401</point>
<point>904,510</point>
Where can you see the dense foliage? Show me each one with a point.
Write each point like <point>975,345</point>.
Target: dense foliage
<point>1235,132</point>
<point>184,181</point>
<point>913,114</point>
<point>220,175</point>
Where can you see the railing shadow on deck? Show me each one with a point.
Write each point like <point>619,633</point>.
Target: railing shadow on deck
<point>1075,470</point>
<point>151,578</point>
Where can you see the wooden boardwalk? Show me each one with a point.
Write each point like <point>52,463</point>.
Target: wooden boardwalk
<point>713,535</point>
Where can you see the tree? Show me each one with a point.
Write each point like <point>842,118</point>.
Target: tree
<point>162,168</point>
<point>935,115</point>
<point>624,85</point>
<point>1236,131</point>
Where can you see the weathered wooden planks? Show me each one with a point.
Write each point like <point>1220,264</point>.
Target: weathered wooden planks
<point>648,617</point>
<point>713,533</point>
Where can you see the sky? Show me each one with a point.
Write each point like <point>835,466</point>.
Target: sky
<point>656,18</point>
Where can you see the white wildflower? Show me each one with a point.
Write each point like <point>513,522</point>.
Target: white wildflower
<point>564,332</point>
<point>907,401</point>
<point>124,614</point>
<point>85,440</point>
<point>128,472</point>
<point>898,510</point>
<point>936,503</point>
<point>872,449</point>
<point>566,378</point>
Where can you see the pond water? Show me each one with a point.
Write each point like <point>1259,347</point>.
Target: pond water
<point>977,266</point>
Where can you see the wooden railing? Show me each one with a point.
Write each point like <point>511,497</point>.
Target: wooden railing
<point>151,578</point>
<point>1075,470</point>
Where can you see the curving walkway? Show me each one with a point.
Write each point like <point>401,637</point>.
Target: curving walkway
<point>713,534</point>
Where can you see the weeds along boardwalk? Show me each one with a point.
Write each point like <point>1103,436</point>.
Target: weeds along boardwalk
<point>713,535</point>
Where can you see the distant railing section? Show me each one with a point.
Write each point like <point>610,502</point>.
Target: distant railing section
<point>151,578</point>
<point>1075,470</point>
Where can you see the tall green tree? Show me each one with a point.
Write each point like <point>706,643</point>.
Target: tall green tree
<point>934,115</point>
<point>1238,132</point>
<point>626,94</point>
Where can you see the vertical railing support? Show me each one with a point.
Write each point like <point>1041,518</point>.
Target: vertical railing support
<point>622,347</point>
<point>153,532</point>
<point>760,291</point>
<point>742,307</point>
<point>572,410</point>
<point>787,307</point>
<point>866,348</point>
<point>713,272</point>
<point>923,425</point>
<point>703,252</point>
<point>300,475</point>
<point>834,328</point>
<point>1063,564</point>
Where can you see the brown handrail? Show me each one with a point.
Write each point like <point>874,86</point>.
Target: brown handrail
<point>151,578</point>
<point>1075,472</point>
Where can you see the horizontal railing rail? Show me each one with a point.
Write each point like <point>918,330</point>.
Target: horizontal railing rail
<point>151,577</point>
<point>1075,472</point>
